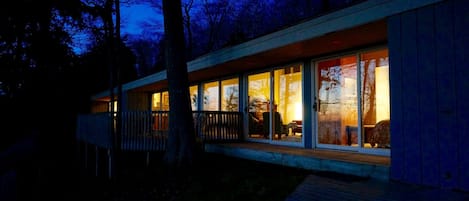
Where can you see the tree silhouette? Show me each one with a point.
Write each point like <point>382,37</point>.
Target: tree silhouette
<point>181,150</point>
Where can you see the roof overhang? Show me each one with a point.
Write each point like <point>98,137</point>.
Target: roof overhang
<point>357,26</point>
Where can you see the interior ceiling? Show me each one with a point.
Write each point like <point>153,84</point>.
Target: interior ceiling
<point>361,36</point>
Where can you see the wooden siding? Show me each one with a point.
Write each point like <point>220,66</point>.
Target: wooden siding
<point>410,99</point>
<point>428,59</point>
<point>446,95</point>
<point>427,78</point>
<point>100,106</point>
<point>137,101</point>
<point>461,59</point>
<point>395,71</point>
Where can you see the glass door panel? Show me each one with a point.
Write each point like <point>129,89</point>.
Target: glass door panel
<point>374,68</point>
<point>336,91</point>
<point>288,103</point>
<point>258,101</point>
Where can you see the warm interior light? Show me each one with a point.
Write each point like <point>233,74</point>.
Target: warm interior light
<point>298,111</point>
<point>156,98</point>
<point>382,93</point>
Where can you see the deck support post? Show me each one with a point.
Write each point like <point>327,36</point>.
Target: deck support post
<point>148,159</point>
<point>97,160</point>
<point>109,156</point>
<point>86,156</point>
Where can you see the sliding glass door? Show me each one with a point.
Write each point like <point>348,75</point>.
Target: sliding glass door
<point>353,101</point>
<point>337,113</point>
<point>275,107</point>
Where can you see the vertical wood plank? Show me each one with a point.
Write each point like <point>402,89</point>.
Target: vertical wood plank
<point>461,59</point>
<point>410,92</point>
<point>395,72</point>
<point>428,99</point>
<point>447,132</point>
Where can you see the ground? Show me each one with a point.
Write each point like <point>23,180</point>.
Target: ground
<point>219,178</point>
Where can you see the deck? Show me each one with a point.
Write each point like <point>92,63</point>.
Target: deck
<point>332,180</point>
<point>323,188</point>
<point>221,133</point>
<point>352,163</point>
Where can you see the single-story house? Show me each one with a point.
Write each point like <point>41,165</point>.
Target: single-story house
<point>381,78</point>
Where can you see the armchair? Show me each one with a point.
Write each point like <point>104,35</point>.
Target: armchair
<point>279,127</point>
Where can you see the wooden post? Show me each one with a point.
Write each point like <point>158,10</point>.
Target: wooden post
<point>148,159</point>
<point>96,160</point>
<point>109,156</point>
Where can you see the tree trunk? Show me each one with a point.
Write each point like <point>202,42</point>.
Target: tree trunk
<point>181,148</point>
<point>109,31</point>
<point>116,55</point>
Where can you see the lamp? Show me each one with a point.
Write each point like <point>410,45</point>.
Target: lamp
<point>298,111</point>
<point>382,93</point>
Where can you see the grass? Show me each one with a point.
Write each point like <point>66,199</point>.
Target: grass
<point>218,178</point>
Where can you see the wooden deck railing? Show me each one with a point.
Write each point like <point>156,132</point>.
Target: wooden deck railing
<point>95,129</point>
<point>148,131</point>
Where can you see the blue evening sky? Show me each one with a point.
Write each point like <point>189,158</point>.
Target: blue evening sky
<point>133,16</point>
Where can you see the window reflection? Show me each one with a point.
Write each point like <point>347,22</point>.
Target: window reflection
<point>277,115</point>
<point>211,96</point>
<point>193,90</point>
<point>337,96</point>
<point>338,106</point>
<point>230,93</point>
<point>375,98</point>
<point>160,101</point>
<point>221,95</point>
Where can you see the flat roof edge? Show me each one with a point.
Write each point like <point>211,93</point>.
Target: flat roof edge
<point>352,16</point>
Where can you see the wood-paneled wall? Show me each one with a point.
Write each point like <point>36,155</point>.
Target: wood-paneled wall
<point>100,106</point>
<point>138,101</point>
<point>429,79</point>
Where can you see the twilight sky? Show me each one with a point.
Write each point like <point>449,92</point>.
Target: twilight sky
<point>132,16</point>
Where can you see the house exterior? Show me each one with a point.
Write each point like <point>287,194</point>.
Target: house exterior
<point>382,77</point>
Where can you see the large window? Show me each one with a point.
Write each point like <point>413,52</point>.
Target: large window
<point>275,104</point>
<point>211,96</point>
<point>221,95</point>
<point>230,93</point>
<point>160,101</point>
<point>194,92</point>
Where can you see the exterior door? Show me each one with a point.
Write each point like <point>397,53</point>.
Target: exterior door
<point>337,102</point>
<point>259,89</point>
<point>275,104</point>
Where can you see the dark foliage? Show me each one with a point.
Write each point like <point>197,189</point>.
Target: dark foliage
<point>36,65</point>
<point>217,177</point>
<point>212,25</point>
<point>93,67</point>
